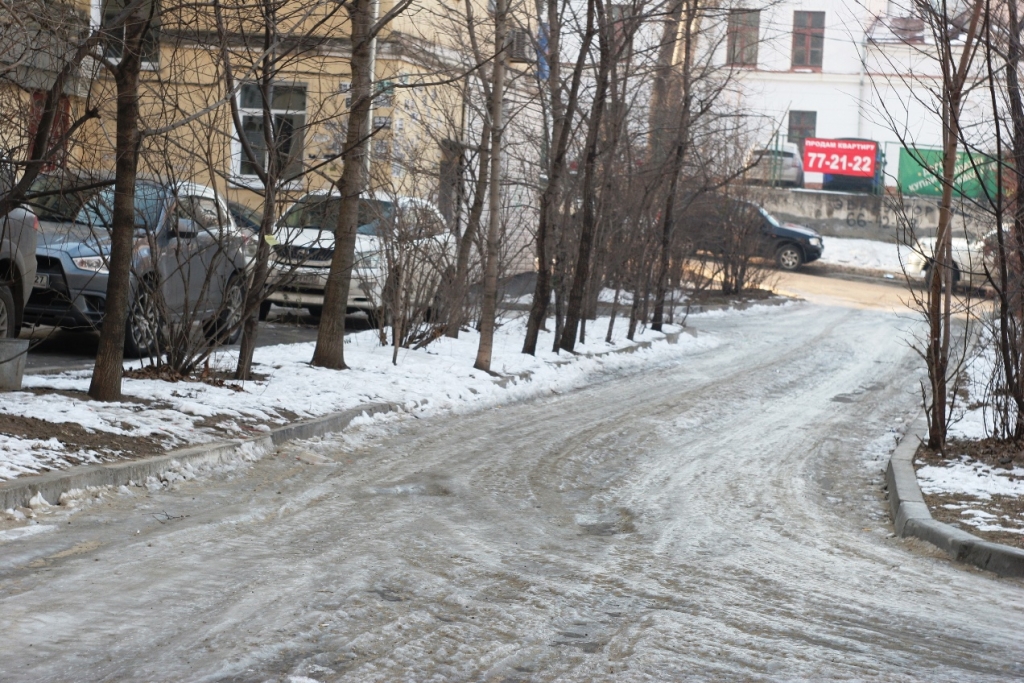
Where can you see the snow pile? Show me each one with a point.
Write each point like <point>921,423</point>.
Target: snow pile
<point>864,254</point>
<point>438,378</point>
<point>970,477</point>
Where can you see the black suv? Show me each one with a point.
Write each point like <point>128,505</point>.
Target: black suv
<point>724,226</point>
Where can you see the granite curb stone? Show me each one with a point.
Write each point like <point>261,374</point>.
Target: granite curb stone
<point>911,516</point>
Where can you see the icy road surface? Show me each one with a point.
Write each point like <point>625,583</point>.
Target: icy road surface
<point>719,519</point>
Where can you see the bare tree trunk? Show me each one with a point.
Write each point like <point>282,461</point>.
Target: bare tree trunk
<point>489,303</point>
<point>939,303</point>
<point>330,340</point>
<point>682,141</point>
<point>107,372</point>
<point>270,176</point>
<point>562,116</point>
<point>581,272</point>
<point>1011,297</point>
<point>457,314</point>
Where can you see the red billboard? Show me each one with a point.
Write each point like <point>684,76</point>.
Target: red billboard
<point>840,157</point>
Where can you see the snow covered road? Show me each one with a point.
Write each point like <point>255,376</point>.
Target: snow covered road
<point>718,518</point>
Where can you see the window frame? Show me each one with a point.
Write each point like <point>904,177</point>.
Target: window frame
<point>804,37</point>
<point>251,180</point>
<point>96,12</point>
<point>802,116</point>
<point>740,50</point>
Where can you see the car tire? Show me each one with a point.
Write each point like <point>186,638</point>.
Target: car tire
<point>928,277</point>
<point>789,257</point>
<point>316,311</point>
<point>226,328</point>
<point>264,310</point>
<point>8,314</point>
<point>143,327</point>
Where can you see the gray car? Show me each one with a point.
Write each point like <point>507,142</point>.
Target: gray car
<point>189,261</point>
<point>18,233</point>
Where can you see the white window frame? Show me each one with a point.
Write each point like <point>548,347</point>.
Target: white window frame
<point>253,182</point>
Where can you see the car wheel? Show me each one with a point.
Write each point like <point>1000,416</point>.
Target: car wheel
<point>929,273</point>
<point>789,257</point>
<point>8,316</point>
<point>226,328</point>
<point>264,310</point>
<point>142,329</point>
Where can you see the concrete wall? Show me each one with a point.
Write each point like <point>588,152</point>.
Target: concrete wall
<point>840,214</point>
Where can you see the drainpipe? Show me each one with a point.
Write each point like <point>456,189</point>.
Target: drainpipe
<point>368,157</point>
<point>863,79</point>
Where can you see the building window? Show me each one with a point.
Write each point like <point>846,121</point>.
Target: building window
<point>381,122</point>
<point>114,48</point>
<point>288,113</point>
<point>808,39</point>
<point>743,37</point>
<point>802,125</point>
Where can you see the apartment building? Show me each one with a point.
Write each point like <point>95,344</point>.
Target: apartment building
<point>426,127</point>
<point>838,69</point>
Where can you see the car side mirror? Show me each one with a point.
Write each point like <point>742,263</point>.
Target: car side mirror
<point>185,229</point>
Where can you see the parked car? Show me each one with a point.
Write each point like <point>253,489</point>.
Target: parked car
<point>778,165</point>
<point>305,235</point>
<point>792,245</point>
<point>720,225</point>
<point>189,259</point>
<point>245,217</point>
<point>18,233</point>
<point>973,260</point>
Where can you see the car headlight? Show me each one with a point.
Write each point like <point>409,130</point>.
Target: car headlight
<point>816,241</point>
<point>94,263</point>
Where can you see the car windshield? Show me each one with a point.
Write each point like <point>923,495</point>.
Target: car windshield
<point>320,212</point>
<point>99,209</point>
<point>770,218</point>
<point>55,202</point>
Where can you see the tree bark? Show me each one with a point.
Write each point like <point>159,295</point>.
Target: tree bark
<point>581,272</point>
<point>330,340</point>
<point>107,372</point>
<point>562,116</point>
<point>488,308</point>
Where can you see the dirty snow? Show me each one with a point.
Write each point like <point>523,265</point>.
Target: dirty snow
<point>863,254</point>
<point>970,477</point>
<point>438,378</point>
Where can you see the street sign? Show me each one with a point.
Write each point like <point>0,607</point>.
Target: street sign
<point>840,157</point>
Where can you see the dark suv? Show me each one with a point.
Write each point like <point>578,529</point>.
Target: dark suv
<point>726,227</point>
<point>792,245</point>
<point>189,260</point>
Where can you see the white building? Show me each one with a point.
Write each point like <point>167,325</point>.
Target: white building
<point>839,69</point>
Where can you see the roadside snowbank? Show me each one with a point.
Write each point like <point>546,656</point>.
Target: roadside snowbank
<point>438,378</point>
<point>861,254</point>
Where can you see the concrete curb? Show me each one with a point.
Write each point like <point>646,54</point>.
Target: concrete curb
<point>911,516</point>
<point>18,492</point>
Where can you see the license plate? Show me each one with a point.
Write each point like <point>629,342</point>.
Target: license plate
<point>42,281</point>
<point>304,279</point>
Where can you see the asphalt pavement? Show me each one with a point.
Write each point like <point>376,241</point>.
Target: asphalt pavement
<point>715,517</point>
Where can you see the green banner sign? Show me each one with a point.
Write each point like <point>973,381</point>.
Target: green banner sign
<point>921,172</point>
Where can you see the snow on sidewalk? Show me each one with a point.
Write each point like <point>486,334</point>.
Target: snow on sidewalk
<point>437,378</point>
